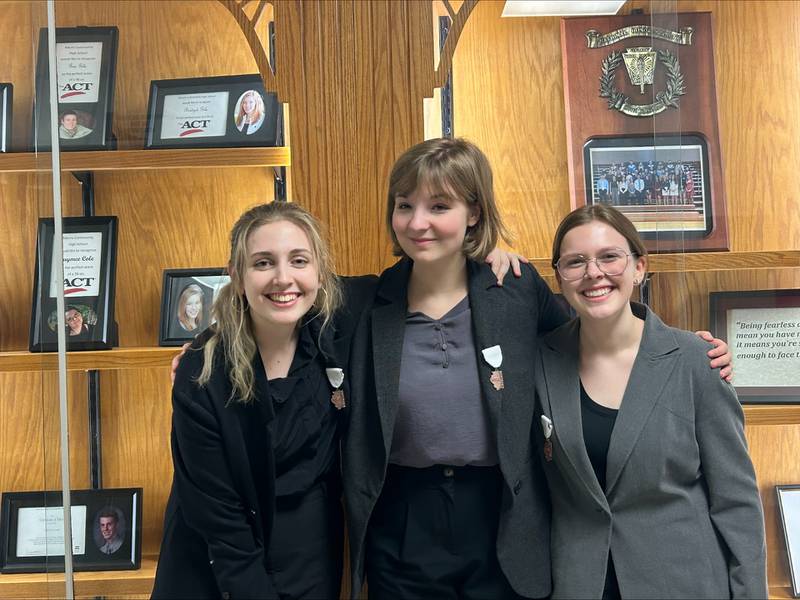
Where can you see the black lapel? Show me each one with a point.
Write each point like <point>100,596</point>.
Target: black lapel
<point>388,331</point>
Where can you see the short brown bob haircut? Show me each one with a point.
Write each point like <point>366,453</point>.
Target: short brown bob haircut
<point>456,168</point>
<point>605,214</point>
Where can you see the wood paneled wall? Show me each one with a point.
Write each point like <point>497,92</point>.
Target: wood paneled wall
<point>509,99</point>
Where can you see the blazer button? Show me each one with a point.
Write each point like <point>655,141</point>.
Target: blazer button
<point>517,487</point>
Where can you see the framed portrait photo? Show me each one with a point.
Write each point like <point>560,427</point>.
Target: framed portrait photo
<point>6,97</point>
<point>789,504</point>
<point>661,184</point>
<point>89,257</point>
<point>212,112</point>
<point>186,299</point>
<point>86,59</point>
<point>106,530</point>
<point>762,329</point>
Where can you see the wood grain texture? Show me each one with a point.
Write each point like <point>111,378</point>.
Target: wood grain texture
<point>509,99</point>
<point>105,360</point>
<point>774,450</point>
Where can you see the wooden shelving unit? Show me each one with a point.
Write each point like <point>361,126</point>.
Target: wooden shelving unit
<point>105,360</point>
<point>87,584</point>
<point>132,160</point>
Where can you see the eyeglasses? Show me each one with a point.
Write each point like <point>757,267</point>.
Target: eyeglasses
<point>611,262</point>
<point>74,317</point>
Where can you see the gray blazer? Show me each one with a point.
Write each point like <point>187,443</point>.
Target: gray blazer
<point>681,514</point>
<point>508,316</point>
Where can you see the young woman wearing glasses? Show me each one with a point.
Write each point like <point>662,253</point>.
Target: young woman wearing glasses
<point>652,489</point>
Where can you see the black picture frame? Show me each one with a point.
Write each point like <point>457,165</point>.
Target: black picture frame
<point>6,106</point>
<point>90,257</point>
<point>789,506</point>
<point>751,347</point>
<point>683,210</point>
<point>87,59</point>
<point>203,112</point>
<point>115,511</point>
<point>188,286</point>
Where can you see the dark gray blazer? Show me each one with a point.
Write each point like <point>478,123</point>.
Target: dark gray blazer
<point>508,316</point>
<point>681,514</point>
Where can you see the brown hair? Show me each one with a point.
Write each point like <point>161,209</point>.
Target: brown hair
<point>454,167</point>
<point>605,214</point>
<point>231,311</point>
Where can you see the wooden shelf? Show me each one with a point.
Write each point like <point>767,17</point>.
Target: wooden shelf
<point>772,414</point>
<point>705,261</point>
<point>118,358</point>
<point>87,584</point>
<point>132,160</point>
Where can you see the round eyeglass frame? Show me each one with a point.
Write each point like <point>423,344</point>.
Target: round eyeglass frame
<point>627,256</point>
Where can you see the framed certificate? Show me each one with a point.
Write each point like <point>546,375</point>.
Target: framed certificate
<point>106,530</point>
<point>762,329</point>
<point>6,96</point>
<point>85,66</point>
<point>186,299</point>
<point>212,112</point>
<point>89,256</point>
<point>789,503</point>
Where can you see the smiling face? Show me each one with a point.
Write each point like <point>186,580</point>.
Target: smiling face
<point>108,528</point>
<point>74,321</point>
<point>281,279</point>
<point>597,295</point>
<point>194,305</point>
<point>248,104</point>
<point>431,226</point>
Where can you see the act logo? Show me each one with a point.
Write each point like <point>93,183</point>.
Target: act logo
<point>192,127</point>
<point>75,89</point>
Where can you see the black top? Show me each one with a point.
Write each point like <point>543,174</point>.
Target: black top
<point>598,423</point>
<point>306,424</point>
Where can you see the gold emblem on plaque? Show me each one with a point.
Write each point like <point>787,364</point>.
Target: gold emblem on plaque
<point>641,63</point>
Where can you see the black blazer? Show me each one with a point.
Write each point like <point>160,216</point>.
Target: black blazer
<point>509,316</point>
<point>220,511</point>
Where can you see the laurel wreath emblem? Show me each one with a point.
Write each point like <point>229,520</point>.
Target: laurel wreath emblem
<point>665,98</point>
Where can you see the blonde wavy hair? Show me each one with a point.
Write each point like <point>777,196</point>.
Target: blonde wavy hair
<point>234,327</point>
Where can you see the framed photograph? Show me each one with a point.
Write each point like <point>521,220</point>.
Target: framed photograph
<point>762,329</point>
<point>6,97</point>
<point>106,530</point>
<point>789,504</point>
<point>86,59</point>
<point>89,256</point>
<point>186,299</point>
<point>661,185</point>
<point>212,112</point>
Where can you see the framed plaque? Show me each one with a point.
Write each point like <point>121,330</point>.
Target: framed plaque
<point>789,504</point>
<point>212,112</point>
<point>86,60</point>
<point>6,97</point>
<point>186,299</point>
<point>106,530</point>
<point>89,255</point>
<point>661,184</point>
<point>642,88</point>
<point>762,329</point>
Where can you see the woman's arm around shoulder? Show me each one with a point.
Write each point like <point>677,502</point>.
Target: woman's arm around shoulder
<point>734,501</point>
<point>552,312</point>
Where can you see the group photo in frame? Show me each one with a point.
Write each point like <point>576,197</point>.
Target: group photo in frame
<point>86,60</point>
<point>212,112</point>
<point>661,184</point>
<point>789,506</point>
<point>6,104</point>
<point>106,530</point>
<point>89,258</point>
<point>186,299</point>
<point>762,329</point>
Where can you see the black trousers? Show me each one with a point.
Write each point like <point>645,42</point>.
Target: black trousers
<point>305,554</point>
<point>433,534</point>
